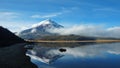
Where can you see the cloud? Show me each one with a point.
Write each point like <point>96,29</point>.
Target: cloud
<point>13,21</point>
<point>8,15</point>
<point>15,26</point>
<point>89,30</point>
<point>47,16</point>
<point>54,14</point>
<point>7,20</point>
<point>107,10</point>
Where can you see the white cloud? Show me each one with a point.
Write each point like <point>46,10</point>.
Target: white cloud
<point>46,16</point>
<point>114,28</point>
<point>23,28</point>
<point>8,15</point>
<point>15,26</point>
<point>107,9</point>
<point>54,14</point>
<point>89,30</point>
<point>10,20</point>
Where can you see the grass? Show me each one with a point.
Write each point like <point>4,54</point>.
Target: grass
<point>72,41</point>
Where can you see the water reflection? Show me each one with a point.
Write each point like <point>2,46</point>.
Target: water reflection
<point>44,54</point>
<point>76,55</point>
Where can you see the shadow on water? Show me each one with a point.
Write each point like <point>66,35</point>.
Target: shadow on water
<point>75,55</point>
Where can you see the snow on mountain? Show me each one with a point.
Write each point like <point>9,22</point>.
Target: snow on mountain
<point>39,29</point>
<point>47,24</point>
<point>33,30</point>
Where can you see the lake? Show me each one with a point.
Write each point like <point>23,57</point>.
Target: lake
<point>75,55</point>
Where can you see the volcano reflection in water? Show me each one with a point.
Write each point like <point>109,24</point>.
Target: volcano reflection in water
<point>83,56</point>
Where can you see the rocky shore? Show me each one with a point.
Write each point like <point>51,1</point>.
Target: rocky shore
<point>14,57</point>
<point>12,51</point>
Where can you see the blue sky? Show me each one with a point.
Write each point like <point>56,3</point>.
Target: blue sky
<point>19,14</point>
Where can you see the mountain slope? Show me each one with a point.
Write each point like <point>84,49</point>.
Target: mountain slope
<point>39,30</point>
<point>8,38</point>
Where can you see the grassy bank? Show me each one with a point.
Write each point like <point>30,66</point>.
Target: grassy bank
<point>72,41</point>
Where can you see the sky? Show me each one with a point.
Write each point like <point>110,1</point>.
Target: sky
<point>17,15</point>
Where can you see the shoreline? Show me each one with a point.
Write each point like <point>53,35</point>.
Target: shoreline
<point>64,41</point>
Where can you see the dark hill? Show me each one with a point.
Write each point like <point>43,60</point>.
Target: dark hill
<point>12,55</point>
<point>7,38</point>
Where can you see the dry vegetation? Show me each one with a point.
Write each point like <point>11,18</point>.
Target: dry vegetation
<point>63,41</point>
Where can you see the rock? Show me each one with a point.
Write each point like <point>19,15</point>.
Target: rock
<point>62,50</point>
<point>14,57</point>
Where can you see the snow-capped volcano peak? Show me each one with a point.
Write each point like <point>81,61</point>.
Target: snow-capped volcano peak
<point>40,29</point>
<point>45,22</point>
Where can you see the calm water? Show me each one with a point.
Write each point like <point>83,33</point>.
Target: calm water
<point>75,55</point>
